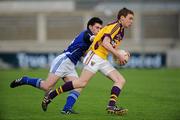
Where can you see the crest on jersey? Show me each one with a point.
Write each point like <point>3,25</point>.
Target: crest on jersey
<point>92,63</point>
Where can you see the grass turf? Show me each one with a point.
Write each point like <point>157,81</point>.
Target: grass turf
<point>149,94</point>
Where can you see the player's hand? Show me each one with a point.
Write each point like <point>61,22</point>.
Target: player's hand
<point>122,60</point>
<point>123,57</point>
<point>128,53</point>
<point>92,37</point>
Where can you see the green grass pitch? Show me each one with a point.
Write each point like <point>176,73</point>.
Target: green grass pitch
<point>149,94</point>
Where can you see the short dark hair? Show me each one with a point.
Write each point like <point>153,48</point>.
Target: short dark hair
<point>94,20</point>
<point>124,12</point>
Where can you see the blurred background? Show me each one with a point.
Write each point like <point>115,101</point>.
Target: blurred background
<point>33,32</point>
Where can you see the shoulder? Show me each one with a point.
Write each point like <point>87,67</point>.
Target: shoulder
<point>87,35</point>
<point>88,32</point>
<point>82,34</point>
<point>112,27</point>
<point>113,23</point>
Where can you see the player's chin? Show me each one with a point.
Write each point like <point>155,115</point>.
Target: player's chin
<point>128,26</point>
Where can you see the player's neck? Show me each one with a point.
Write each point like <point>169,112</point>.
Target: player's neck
<point>120,22</point>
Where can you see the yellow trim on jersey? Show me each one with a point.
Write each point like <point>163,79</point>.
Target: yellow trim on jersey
<point>111,31</point>
<point>89,58</point>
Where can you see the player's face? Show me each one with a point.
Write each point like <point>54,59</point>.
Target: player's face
<point>128,20</point>
<point>95,28</point>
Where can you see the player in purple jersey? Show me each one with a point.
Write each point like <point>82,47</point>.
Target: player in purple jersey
<point>106,41</point>
<point>63,66</point>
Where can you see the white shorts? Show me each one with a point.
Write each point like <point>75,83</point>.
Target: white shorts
<point>62,66</point>
<point>94,63</point>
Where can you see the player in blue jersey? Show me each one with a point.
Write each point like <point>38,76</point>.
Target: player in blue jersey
<point>63,66</point>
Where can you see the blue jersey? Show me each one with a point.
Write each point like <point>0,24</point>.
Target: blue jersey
<point>78,46</point>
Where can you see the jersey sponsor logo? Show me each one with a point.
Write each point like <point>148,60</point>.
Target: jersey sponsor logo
<point>113,43</point>
<point>118,37</point>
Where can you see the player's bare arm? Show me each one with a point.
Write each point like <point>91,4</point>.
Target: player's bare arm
<point>109,47</point>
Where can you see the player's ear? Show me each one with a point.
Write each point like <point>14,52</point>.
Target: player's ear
<point>122,18</point>
<point>90,27</point>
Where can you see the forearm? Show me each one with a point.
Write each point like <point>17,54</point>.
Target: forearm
<point>106,44</point>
